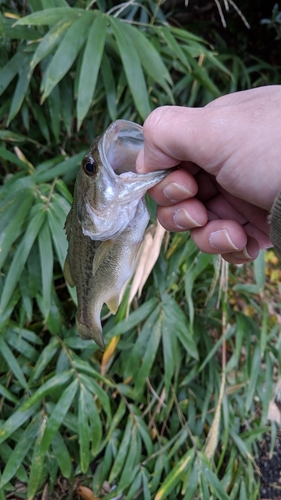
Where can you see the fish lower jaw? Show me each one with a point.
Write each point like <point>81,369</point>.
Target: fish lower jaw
<point>90,332</point>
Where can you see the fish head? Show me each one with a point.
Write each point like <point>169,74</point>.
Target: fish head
<point>108,187</point>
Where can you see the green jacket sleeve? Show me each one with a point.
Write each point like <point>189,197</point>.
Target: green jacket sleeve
<point>275,224</point>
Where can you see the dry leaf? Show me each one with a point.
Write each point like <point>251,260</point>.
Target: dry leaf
<point>108,353</point>
<point>23,158</point>
<point>273,413</point>
<point>148,255</point>
<point>86,493</point>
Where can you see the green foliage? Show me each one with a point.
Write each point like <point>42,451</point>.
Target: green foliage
<point>138,416</point>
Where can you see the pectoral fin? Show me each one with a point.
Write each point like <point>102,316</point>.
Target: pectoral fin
<point>67,273</point>
<point>100,254</point>
<point>113,304</point>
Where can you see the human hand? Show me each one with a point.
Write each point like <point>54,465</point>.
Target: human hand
<point>229,158</point>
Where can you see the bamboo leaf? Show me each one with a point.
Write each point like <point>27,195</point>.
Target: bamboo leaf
<point>122,452</point>
<point>215,483</point>
<point>16,217</point>
<point>47,261</point>
<point>66,53</point>
<point>58,414</point>
<point>132,67</point>
<point>7,394</point>
<point>202,76</point>
<point>67,112</point>
<point>41,120</point>
<point>11,69</point>
<point>90,66</point>
<point>12,362</point>
<point>12,158</point>
<point>173,315</point>
<point>54,105</point>
<point>15,421</point>
<point>20,451</point>
<point>175,47</point>
<point>56,223</point>
<point>149,57</point>
<point>175,475</point>
<point>109,85</point>
<point>138,351</point>
<point>47,388</point>
<point>20,258</point>
<point>84,431</point>
<point>21,89</point>
<point>45,357</point>
<point>62,455</point>
<point>149,356</point>
<point>50,41</point>
<point>16,340</point>
<point>49,16</point>
<point>92,386</point>
<point>95,426</point>
<point>169,341</point>
<point>36,471</point>
<point>145,435</point>
<point>135,318</point>
<point>259,269</point>
<point>253,376</point>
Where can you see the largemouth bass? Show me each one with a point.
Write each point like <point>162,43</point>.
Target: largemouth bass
<point>106,223</point>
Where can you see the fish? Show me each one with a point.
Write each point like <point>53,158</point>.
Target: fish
<point>106,223</point>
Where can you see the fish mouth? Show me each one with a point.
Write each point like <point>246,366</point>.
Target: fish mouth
<point>121,145</point>
<point>119,149</point>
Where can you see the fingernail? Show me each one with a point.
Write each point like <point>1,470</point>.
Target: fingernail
<point>176,192</point>
<point>221,241</point>
<point>246,254</point>
<point>183,220</point>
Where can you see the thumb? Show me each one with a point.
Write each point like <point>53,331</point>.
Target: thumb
<point>173,134</point>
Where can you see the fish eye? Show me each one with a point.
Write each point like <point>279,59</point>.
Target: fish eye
<point>89,165</point>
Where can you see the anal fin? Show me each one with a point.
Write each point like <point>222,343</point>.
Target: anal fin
<point>113,304</point>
